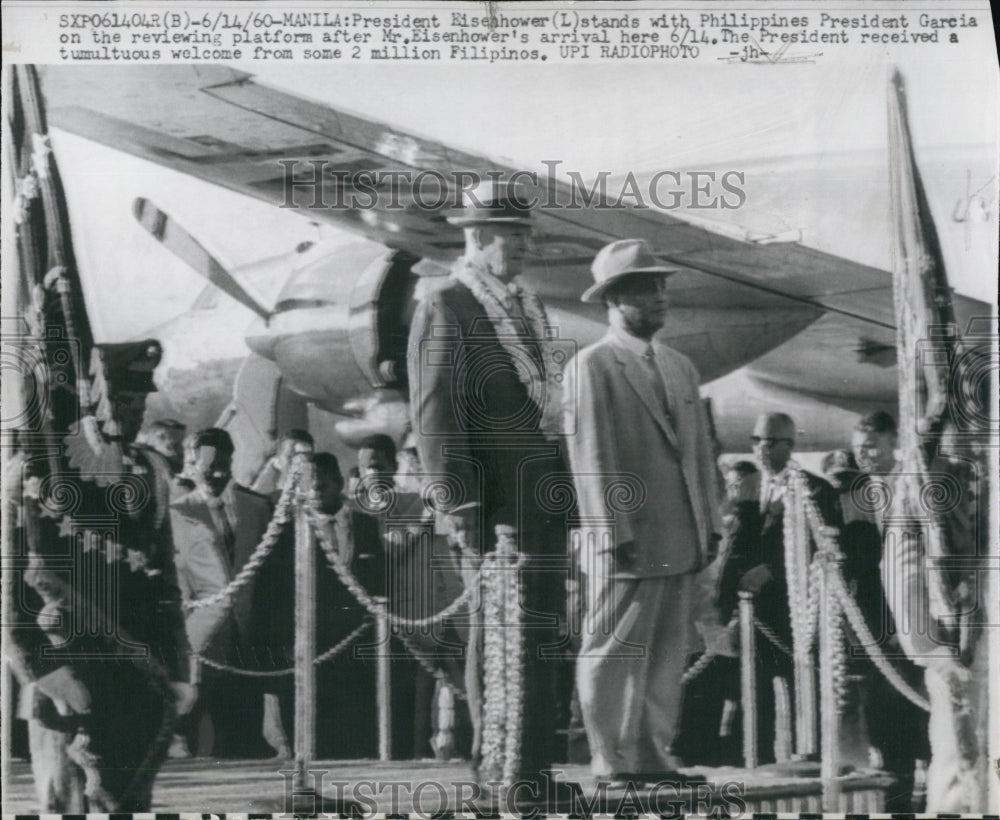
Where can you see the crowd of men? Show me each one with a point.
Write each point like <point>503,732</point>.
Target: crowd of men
<point>501,419</point>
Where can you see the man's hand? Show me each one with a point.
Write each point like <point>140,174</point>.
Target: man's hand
<point>186,696</point>
<point>755,579</point>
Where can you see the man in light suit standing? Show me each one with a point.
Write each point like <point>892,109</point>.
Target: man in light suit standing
<point>217,526</point>
<point>634,422</point>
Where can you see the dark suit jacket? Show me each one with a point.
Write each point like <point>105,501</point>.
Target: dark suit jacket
<point>476,426</point>
<point>338,613</point>
<point>758,538</point>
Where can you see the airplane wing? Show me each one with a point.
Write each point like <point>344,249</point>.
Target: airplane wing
<point>799,317</point>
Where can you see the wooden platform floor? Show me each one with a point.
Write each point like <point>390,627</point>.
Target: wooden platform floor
<point>258,787</point>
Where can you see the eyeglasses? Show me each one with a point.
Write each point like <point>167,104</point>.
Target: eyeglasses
<point>756,441</point>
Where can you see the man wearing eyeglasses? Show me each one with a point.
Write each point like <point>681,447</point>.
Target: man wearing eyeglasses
<point>756,563</point>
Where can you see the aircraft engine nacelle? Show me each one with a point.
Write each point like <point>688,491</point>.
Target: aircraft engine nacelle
<point>339,331</point>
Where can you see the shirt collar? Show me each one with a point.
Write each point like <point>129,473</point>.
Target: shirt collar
<point>631,342</point>
<point>225,498</point>
<point>775,479</point>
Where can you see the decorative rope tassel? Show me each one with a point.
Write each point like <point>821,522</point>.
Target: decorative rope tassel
<point>503,661</point>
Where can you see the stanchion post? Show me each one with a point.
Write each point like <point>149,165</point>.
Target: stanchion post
<point>305,629</point>
<point>748,680</point>
<point>383,681</point>
<point>829,635</point>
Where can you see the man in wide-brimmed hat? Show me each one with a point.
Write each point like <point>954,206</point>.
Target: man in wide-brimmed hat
<point>634,419</point>
<point>486,424</point>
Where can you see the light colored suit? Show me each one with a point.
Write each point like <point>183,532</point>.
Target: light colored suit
<point>205,566</point>
<point>617,428</point>
<point>635,422</point>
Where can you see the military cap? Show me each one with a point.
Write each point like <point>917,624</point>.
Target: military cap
<point>127,366</point>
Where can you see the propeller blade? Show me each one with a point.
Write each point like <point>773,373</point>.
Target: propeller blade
<point>166,230</point>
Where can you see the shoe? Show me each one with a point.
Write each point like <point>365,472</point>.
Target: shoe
<point>282,753</point>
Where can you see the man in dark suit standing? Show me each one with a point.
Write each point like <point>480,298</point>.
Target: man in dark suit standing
<point>483,388</point>
<point>897,729</point>
<point>756,562</point>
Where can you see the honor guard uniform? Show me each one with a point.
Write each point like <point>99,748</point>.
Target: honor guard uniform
<point>99,634</point>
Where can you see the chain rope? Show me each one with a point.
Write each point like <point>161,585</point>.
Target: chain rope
<point>809,622</point>
<point>428,666</point>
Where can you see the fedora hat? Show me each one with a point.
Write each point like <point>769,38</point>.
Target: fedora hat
<point>618,260</point>
<point>493,201</point>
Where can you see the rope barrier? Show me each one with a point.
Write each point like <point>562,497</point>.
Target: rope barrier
<point>807,605</point>
<point>705,660</point>
<point>771,636</point>
<point>849,608</point>
<point>269,539</point>
<point>332,652</point>
<point>439,674</point>
<point>358,591</point>
<point>857,621</point>
<point>262,550</point>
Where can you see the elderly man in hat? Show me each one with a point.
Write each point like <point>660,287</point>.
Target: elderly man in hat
<point>482,380</point>
<point>634,416</point>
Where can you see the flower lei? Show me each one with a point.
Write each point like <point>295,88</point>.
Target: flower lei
<point>547,396</point>
<point>802,519</point>
<point>503,663</point>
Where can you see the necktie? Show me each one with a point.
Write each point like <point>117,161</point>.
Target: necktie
<point>515,309</point>
<point>228,536</point>
<point>218,508</point>
<point>656,379</point>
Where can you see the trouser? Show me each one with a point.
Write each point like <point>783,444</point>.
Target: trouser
<point>59,781</point>
<point>228,718</point>
<point>709,733</point>
<point>773,664</point>
<point>637,636</point>
<point>898,729</point>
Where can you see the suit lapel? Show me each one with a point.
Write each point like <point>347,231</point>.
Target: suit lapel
<point>202,515</point>
<point>677,422</point>
<point>638,378</point>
